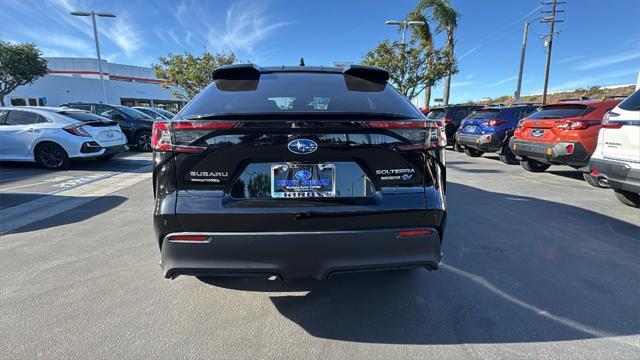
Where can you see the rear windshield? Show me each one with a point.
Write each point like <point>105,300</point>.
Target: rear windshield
<point>560,112</point>
<point>299,93</point>
<point>82,116</point>
<point>166,113</point>
<point>485,114</point>
<point>436,114</point>
<point>632,103</point>
<point>133,113</point>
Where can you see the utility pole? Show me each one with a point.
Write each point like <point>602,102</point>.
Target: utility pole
<point>549,39</point>
<point>93,15</point>
<point>516,97</point>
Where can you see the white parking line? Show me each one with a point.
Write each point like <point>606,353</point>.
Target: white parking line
<point>68,198</point>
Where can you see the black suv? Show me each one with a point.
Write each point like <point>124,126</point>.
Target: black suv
<point>451,115</point>
<point>298,172</point>
<point>134,124</point>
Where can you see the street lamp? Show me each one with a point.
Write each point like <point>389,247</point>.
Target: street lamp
<point>404,24</point>
<point>93,15</point>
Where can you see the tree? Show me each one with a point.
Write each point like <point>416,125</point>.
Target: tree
<point>20,64</point>
<point>189,73</point>
<point>446,18</point>
<point>412,67</point>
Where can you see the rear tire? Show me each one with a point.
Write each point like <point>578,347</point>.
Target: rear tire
<point>628,198</point>
<point>52,156</point>
<point>534,165</point>
<point>143,141</point>
<point>473,152</point>
<point>508,157</point>
<point>592,180</point>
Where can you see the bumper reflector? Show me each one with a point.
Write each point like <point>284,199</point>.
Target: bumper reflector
<point>407,233</point>
<point>188,238</point>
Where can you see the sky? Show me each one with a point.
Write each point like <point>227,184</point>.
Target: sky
<point>598,44</point>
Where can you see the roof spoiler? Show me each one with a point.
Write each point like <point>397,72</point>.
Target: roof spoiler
<point>371,73</point>
<point>237,72</point>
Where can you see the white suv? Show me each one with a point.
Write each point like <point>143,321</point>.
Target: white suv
<point>617,156</point>
<point>53,136</point>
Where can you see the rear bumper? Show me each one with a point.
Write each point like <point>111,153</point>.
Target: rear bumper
<point>90,152</point>
<point>483,142</point>
<point>318,254</point>
<point>551,153</point>
<point>619,175</point>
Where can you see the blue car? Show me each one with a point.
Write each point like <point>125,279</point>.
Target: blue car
<point>489,130</point>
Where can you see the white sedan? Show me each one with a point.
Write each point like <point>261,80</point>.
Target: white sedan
<point>54,136</point>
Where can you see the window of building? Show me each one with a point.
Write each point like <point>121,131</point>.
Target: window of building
<point>18,102</point>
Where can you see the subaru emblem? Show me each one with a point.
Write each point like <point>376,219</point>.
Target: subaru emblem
<point>302,146</point>
<point>302,175</point>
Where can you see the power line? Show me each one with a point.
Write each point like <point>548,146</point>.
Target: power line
<point>548,39</point>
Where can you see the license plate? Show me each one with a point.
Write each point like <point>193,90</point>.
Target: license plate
<point>303,181</point>
<point>470,128</point>
<point>537,132</point>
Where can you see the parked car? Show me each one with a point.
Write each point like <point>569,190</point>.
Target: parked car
<point>135,124</point>
<point>155,112</point>
<point>616,159</point>
<point>564,133</point>
<point>489,130</point>
<point>452,115</point>
<point>298,171</point>
<point>54,136</point>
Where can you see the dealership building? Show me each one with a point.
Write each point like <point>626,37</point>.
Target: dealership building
<point>78,80</point>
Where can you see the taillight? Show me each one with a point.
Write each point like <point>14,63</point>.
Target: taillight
<point>607,123</point>
<point>493,123</point>
<point>178,136</point>
<point>573,125</point>
<point>426,134</point>
<point>77,130</point>
<point>569,148</point>
<point>448,120</point>
<point>519,124</point>
<point>161,136</point>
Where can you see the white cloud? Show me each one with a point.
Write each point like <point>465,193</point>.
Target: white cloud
<point>594,80</point>
<point>245,29</point>
<point>469,52</point>
<point>570,59</point>
<point>608,60</point>
<point>470,76</point>
<point>458,84</point>
<point>503,81</point>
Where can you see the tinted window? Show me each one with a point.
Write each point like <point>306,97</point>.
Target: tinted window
<point>108,112</point>
<point>148,112</point>
<point>132,112</point>
<point>436,114</point>
<point>81,107</point>
<point>560,112</point>
<point>632,103</point>
<point>166,113</point>
<point>81,116</point>
<point>300,92</point>
<point>485,114</point>
<point>460,114</point>
<point>21,118</point>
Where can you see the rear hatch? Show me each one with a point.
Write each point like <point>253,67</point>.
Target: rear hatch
<point>619,137</point>
<point>107,132</point>
<point>551,122</point>
<point>292,170</point>
<point>481,121</point>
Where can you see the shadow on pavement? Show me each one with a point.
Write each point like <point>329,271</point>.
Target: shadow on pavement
<point>86,210</point>
<point>569,173</point>
<point>516,269</point>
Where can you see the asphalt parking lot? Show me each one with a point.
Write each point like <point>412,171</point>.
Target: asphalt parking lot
<point>536,266</point>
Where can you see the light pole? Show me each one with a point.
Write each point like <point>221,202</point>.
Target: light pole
<point>404,24</point>
<point>93,15</point>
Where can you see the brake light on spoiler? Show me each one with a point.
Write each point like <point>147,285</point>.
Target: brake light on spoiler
<point>176,136</point>
<point>425,134</point>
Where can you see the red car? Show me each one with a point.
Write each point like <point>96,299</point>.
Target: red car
<point>564,133</point>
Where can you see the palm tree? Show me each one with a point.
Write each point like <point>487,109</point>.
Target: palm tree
<point>446,18</point>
